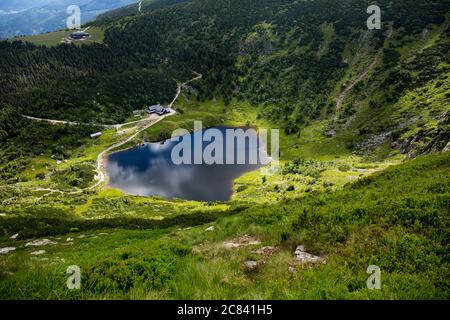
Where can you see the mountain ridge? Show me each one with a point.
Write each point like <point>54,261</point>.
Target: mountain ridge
<point>287,82</point>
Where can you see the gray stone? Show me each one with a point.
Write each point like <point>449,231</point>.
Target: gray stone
<point>37,253</point>
<point>242,241</point>
<point>37,243</point>
<point>266,250</point>
<point>447,147</point>
<point>250,265</point>
<point>6,250</point>
<point>304,257</point>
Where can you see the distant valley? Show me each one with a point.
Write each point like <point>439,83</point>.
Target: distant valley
<point>34,17</point>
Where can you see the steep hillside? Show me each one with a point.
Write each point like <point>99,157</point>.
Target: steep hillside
<point>293,58</point>
<point>383,220</point>
<point>133,9</point>
<point>364,119</point>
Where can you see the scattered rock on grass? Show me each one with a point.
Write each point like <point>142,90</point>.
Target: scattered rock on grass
<point>250,265</point>
<point>242,241</point>
<point>6,250</point>
<point>39,252</point>
<point>14,236</point>
<point>447,147</point>
<point>265,251</point>
<point>331,133</point>
<point>69,239</point>
<point>210,229</point>
<point>37,243</point>
<point>306,258</point>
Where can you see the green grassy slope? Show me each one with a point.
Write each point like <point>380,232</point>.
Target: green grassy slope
<point>397,219</point>
<point>291,58</point>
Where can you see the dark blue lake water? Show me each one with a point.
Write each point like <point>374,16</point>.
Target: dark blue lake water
<point>149,170</point>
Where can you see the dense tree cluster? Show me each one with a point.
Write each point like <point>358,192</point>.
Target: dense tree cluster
<point>286,55</point>
<point>92,83</point>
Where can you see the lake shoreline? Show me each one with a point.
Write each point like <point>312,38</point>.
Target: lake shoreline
<point>153,172</point>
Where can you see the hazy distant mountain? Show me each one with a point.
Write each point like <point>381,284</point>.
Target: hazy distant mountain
<point>146,6</point>
<point>39,16</point>
<point>17,5</point>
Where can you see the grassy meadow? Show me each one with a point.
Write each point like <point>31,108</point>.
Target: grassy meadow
<point>382,220</point>
<point>52,39</point>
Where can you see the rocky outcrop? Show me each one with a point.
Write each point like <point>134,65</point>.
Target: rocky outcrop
<point>38,243</point>
<point>447,147</point>
<point>250,265</point>
<point>6,250</point>
<point>374,141</point>
<point>304,257</point>
<point>265,251</point>
<point>242,241</point>
<point>38,253</point>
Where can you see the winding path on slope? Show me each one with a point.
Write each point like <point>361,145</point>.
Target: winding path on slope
<point>343,95</point>
<point>73,123</point>
<point>101,171</point>
<point>100,167</point>
<point>112,126</point>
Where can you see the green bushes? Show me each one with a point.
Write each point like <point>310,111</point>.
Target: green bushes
<point>151,268</point>
<point>397,219</point>
<point>8,122</point>
<point>33,139</point>
<point>241,188</point>
<point>306,167</point>
<point>78,175</point>
<point>39,221</point>
<point>40,176</point>
<point>344,167</point>
<point>348,110</point>
<point>390,219</point>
